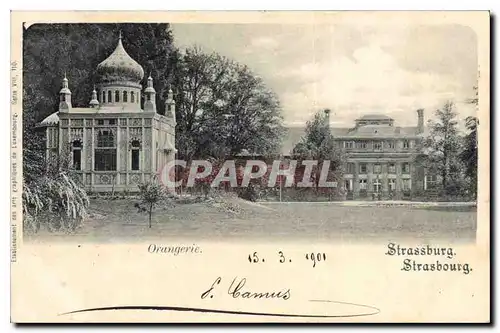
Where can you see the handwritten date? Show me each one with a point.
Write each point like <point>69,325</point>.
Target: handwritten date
<point>280,257</point>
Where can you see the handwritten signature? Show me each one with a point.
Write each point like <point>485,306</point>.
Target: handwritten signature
<point>237,290</point>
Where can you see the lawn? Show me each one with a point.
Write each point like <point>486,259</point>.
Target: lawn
<point>119,221</point>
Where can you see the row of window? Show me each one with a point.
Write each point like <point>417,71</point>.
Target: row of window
<point>376,145</point>
<point>377,168</point>
<point>136,122</point>
<point>124,97</point>
<point>377,185</point>
<point>105,153</point>
<point>106,122</point>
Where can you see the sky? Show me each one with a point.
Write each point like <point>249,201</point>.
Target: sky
<point>351,69</point>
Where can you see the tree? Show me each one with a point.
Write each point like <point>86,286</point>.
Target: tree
<point>443,146</point>
<point>33,144</point>
<point>152,194</point>
<point>223,108</point>
<point>469,155</point>
<point>318,144</point>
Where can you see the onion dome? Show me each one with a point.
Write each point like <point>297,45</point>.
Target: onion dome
<point>119,66</point>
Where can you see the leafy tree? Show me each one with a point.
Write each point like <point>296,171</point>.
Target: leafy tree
<point>33,145</point>
<point>318,144</point>
<point>223,108</point>
<point>469,155</point>
<point>443,147</point>
<point>152,194</point>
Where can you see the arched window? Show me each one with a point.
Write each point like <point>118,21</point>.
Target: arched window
<point>136,147</point>
<point>77,155</point>
<point>63,98</point>
<point>103,97</point>
<point>117,96</point>
<point>125,97</point>
<point>105,139</point>
<point>132,97</point>
<point>110,99</point>
<point>149,97</point>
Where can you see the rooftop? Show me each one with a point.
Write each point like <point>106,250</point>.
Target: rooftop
<point>53,119</point>
<point>367,132</point>
<point>375,117</point>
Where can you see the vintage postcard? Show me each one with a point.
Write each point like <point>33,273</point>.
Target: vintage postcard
<point>250,167</point>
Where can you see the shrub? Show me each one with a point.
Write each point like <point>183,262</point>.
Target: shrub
<point>248,193</point>
<point>56,199</point>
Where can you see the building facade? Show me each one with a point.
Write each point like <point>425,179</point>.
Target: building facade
<point>113,144</point>
<point>382,159</point>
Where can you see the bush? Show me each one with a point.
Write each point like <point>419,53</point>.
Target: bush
<point>248,193</point>
<point>55,199</point>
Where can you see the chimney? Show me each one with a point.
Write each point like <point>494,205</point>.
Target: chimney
<point>420,126</point>
<point>327,113</point>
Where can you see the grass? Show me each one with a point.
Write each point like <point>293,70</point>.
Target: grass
<point>118,221</point>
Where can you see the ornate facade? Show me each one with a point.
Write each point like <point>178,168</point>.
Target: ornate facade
<point>113,145</point>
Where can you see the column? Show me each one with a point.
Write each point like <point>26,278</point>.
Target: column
<point>384,179</point>
<point>369,180</point>
<point>127,155</point>
<point>143,152</point>
<point>399,184</point>
<point>355,184</point>
<point>48,144</point>
<point>92,167</point>
<point>118,152</point>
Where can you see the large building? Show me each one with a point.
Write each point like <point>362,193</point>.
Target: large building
<point>113,144</point>
<point>382,159</point>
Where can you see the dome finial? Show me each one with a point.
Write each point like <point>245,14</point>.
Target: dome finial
<point>94,102</point>
<point>64,95</point>
<point>150,84</point>
<point>120,35</point>
<point>65,81</point>
<point>170,95</point>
